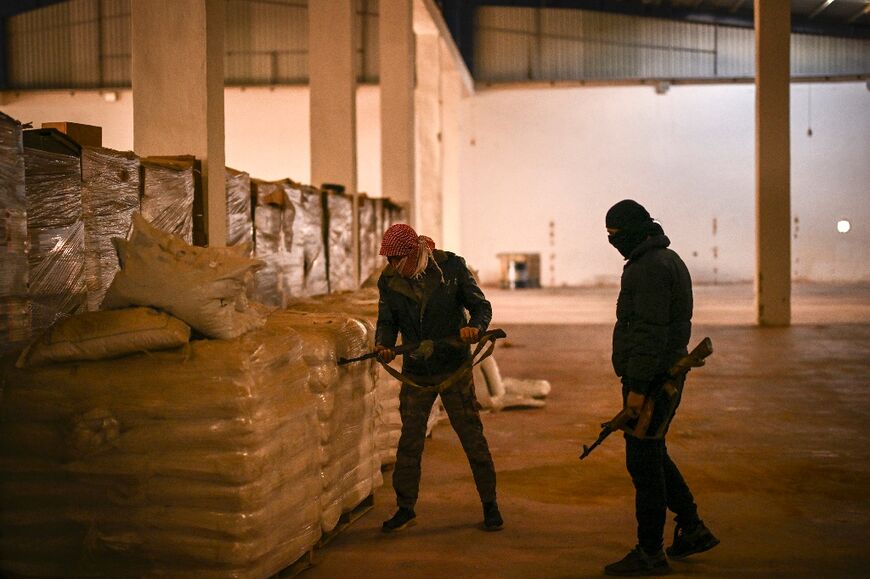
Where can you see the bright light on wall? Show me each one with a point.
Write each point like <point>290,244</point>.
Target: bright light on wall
<point>843,226</point>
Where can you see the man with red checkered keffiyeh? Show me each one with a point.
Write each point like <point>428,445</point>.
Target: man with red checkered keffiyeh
<point>429,294</point>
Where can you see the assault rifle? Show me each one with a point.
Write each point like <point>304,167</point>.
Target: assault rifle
<point>425,348</point>
<point>672,389</point>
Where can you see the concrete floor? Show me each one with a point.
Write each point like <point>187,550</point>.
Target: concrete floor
<point>772,437</point>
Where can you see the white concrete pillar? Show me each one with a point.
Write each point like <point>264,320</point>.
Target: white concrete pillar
<point>429,200</point>
<point>332,84</point>
<point>772,162</point>
<point>397,56</point>
<point>178,92</point>
<point>451,143</point>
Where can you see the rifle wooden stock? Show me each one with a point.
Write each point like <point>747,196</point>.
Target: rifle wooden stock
<point>670,387</point>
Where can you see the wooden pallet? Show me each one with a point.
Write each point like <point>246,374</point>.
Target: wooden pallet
<point>309,559</point>
<point>346,520</point>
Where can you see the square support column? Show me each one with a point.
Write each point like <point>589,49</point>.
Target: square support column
<point>178,92</point>
<point>429,199</point>
<point>772,162</point>
<point>451,145</point>
<point>332,74</point>
<point>397,57</point>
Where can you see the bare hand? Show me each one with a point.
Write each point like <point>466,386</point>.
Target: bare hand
<point>386,355</point>
<point>634,403</point>
<point>469,334</point>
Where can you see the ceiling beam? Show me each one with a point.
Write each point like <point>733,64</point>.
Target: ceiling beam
<point>820,9</point>
<point>865,10</point>
<point>742,19</point>
<point>12,7</point>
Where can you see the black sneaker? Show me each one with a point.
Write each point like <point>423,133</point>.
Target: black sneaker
<point>492,520</point>
<point>691,540</point>
<point>637,563</point>
<point>404,517</point>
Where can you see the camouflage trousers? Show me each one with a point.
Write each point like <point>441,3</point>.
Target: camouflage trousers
<point>461,405</point>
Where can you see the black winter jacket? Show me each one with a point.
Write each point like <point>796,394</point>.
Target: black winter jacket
<point>653,314</point>
<point>435,311</point>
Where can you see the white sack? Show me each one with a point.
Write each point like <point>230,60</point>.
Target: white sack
<point>204,287</point>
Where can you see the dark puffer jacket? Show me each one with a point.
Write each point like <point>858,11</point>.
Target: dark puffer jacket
<point>653,314</point>
<point>431,309</point>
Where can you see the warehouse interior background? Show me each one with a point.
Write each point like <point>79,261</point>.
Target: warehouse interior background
<point>568,111</point>
<point>504,130</point>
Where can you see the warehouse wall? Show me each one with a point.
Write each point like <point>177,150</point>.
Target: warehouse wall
<point>563,156</point>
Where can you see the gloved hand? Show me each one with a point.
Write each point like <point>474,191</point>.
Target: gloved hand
<point>469,334</point>
<point>385,355</point>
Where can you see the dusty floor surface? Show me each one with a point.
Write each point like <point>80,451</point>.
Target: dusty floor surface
<point>772,436</point>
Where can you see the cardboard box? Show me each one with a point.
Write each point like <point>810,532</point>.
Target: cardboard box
<point>85,135</point>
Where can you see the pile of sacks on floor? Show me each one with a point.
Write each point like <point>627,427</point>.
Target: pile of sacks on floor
<point>126,447</point>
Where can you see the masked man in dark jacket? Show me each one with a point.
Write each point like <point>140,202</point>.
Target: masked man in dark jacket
<point>424,295</point>
<point>653,326</point>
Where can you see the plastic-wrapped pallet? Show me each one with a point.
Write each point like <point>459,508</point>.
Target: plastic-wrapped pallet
<point>168,189</point>
<point>198,462</point>
<point>14,306</point>
<point>240,226</point>
<point>349,464</point>
<point>340,242</point>
<point>110,196</point>
<point>369,238</point>
<point>56,233</point>
<point>363,306</point>
<point>316,282</point>
<point>275,243</point>
<point>293,231</point>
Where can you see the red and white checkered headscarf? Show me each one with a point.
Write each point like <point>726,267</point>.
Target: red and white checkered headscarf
<point>400,240</point>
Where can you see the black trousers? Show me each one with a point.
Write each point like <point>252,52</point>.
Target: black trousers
<point>659,487</point>
<point>462,409</point>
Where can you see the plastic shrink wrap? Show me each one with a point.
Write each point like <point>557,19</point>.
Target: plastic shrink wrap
<point>240,225</point>
<point>110,196</point>
<point>276,244</point>
<point>14,305</point>
<point>340,242</point>
<point>56,232</point>
<point>349,464</point>
<point>196,462</point>
<point>362,305</point>
<point>316,281</point>
<point>369,238</point>
<point>168,189</point>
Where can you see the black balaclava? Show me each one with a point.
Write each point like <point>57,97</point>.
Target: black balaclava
<point>633,222</point>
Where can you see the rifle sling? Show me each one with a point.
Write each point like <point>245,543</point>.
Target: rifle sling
<point>485,348</point>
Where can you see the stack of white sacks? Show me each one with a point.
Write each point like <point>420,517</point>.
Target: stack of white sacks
<point>349,466</point>
<point>221,457</point>
<point>196,461</point>
<point>362,306</point>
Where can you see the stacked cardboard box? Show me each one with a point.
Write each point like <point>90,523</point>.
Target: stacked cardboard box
<point>369,238</point>
<point>109,197</point>
<point>277,243</point>
<point>14,305</point>
<point>168,190</point>
<point>240,225</point>
<point>316,279</point>
<point>55,228</point>
<point>339,235</point>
